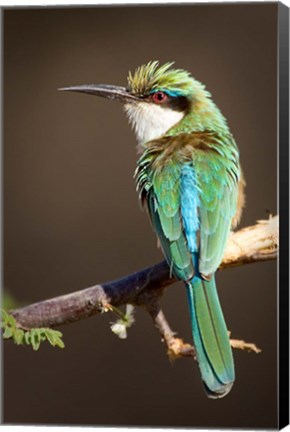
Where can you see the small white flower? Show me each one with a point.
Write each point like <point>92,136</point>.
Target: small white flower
<point>120,326</point>
<point>129,315</point>
<point>119,329</point>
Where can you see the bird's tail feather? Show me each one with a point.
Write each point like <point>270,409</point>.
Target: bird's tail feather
<point>210,336</point>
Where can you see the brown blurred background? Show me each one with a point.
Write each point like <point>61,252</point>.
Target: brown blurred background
<point>72,218</point>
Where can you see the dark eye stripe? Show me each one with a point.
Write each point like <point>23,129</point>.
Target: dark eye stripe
<point>179,103</point>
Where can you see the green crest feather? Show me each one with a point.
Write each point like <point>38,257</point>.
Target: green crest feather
<point>151,77</point>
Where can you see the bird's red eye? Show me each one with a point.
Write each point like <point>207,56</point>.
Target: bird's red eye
<point>159,97</point>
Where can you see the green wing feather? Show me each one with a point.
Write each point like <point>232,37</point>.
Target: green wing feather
<point>217,176</point>
<point>174,249</point>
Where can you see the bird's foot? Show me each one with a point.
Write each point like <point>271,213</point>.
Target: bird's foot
<point>177,348</point>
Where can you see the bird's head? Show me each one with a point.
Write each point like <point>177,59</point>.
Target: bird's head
<point>156,98</point>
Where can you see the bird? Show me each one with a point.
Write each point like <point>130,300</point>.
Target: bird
<point>189,179</point>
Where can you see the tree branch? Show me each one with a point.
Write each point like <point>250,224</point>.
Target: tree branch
<point>252,244</point>
<point>255,243</point>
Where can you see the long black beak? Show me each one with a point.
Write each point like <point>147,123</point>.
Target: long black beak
<point>104,90</point>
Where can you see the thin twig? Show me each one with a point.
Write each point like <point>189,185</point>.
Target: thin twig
<point>175,346</point>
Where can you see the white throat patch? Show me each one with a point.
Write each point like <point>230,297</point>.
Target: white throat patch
<point>151,121</point>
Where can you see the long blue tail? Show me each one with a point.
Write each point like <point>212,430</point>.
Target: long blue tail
<point>210,337</point>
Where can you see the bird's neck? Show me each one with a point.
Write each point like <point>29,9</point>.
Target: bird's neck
<point>203,116</point>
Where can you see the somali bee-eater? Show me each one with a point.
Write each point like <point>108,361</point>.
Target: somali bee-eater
<point>189,178</point>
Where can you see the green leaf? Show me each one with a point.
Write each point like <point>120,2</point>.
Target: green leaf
<point>35,339</point>
<point>59,342</point>
<point>18,336</point>
<point>50,336</point>
<point>8,332</point>
<point>11,320</point>
<point>42,334</point>
<point>27,337</point>
<point>7,320</point>
<point>33,336</point>
<point>54,337</point>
